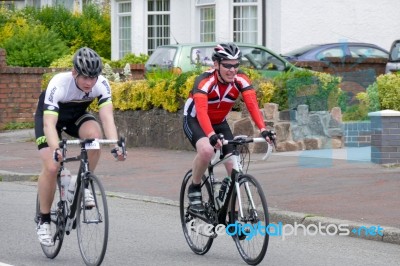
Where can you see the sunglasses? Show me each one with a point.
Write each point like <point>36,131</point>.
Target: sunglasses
<point>229,66</point>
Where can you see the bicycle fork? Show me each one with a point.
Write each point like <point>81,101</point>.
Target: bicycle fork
<point>249,196</point>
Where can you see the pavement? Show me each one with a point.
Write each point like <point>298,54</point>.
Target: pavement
<point>329,188</point>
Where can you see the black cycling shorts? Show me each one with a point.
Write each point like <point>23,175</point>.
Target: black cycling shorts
<point>194,132</point>
<point>71,127</point>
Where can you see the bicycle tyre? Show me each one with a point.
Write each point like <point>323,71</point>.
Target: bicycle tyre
<point>252,249</point>
<point>57,225</point>
<point>92,223</point>
<point>198,243</point>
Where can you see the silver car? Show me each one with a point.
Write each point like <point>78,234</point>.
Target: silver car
<point>393,64</point>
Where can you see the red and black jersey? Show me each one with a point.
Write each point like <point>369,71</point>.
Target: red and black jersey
<point>210,101</point>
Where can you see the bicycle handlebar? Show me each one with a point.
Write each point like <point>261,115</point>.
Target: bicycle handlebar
<point>241,140</point>
<point>63,143</point>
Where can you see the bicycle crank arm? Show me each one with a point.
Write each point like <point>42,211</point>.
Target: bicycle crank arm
<point>200,216</point>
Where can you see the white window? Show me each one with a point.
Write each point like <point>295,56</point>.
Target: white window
<point>124,28</point>
<point>207,24</point>
<point>68,4</point>
<point>245,21</point>
<point>158,24</point>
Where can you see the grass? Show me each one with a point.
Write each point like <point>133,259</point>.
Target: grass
<point>19,125</point>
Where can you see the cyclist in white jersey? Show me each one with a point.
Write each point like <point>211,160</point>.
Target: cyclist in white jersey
<point>62,107</point>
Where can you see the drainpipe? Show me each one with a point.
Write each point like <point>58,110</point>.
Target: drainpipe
<point>264,22</point>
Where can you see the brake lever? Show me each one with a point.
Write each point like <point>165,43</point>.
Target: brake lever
<point>121,144</point>
<point>269,152</point>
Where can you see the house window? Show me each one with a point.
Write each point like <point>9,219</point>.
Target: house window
<point>68,4</point>
<point>158,29</point>
<point>245,21</point>
<point>124,28</point>
<point>207,24</point>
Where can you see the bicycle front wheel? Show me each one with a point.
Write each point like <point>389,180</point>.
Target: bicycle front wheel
<point>193,227</point>
<point>57,224</point>
<point>92,222</point>
<point>252,236</point>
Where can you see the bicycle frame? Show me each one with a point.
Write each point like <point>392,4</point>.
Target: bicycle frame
<point>237,170</point>
<point>82,175</point>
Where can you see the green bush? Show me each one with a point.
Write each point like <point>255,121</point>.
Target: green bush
<point>388,92</point>
<point>129,59</point>
<point>384,93</point>
<point>33,46</point>
<point>92,28</point>
<point>320,91</point>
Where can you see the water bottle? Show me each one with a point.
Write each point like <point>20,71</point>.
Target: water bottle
<point>65,180</point>
<point>71,189</point>
<point>222,192</point>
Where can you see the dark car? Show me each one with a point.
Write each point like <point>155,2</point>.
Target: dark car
<point>320,52</point>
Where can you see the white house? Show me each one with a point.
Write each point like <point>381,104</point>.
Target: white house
<point>139,26</point>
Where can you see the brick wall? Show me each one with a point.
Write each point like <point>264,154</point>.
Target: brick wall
<point>19,90</point>
<point>357,134</point>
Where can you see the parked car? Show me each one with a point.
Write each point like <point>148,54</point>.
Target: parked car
<point>189,56</point>
<point>393,64</point>
<point>320,52</point>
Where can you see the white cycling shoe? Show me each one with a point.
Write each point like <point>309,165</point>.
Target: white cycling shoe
<point>44,234</point>
<point>89,200</point>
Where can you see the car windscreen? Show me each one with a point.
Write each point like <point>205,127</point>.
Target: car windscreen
<point>202,56</point>
<point>162,57</point>
<point>260,59</point>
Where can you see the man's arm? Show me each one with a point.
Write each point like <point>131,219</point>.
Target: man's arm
<point>50,131</point>
<point>250,99</point>
<point>107,121</point>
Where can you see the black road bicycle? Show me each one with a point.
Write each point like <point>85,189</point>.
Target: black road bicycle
<point>91,223</point>
<point>244,211</point>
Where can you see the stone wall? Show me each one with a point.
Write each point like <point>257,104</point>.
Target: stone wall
<point>305,131</point>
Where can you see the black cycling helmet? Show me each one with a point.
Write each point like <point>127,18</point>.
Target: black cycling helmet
<point>226,51</point>
<point>87,62</point>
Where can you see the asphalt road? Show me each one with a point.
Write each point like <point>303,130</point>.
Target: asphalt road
<point>148,233</point>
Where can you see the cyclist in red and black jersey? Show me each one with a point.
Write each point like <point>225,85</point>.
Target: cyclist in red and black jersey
<point>211,99</point>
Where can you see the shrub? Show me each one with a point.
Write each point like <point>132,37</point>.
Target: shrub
<point>33,46</point>
<point>320,91</point>
<point>92,28</point>
<point>130,59</point>
<point>388,92</point>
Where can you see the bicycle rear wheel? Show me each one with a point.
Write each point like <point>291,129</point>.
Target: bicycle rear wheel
<point>57,224</point>
<point>92,223</point>
<point>193,227</point>
<point>253,248</point>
